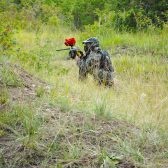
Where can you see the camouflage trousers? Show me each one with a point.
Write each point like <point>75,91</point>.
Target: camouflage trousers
<point>100,75</point>
<point>104,77</point>
<point>82,70</point>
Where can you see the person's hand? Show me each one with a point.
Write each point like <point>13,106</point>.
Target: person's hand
<point>77,59</point>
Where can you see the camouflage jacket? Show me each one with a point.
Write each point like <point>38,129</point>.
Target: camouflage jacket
<point>98,60</point>
<point>94,62</point>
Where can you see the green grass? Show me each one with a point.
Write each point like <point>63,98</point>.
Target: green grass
<point>40,91</point>
<point>9,77</point>
<point>49,129</point>
<point>151,42</point>
<point>4,96</point>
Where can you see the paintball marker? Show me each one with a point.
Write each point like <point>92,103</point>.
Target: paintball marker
<point>73,51</point>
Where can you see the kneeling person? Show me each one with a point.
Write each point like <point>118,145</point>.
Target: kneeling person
<point>96,62</point>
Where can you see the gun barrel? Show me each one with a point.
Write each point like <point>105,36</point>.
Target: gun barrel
<point>63,49</point>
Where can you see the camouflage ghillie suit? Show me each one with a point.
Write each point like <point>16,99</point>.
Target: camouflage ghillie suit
<point>96,62</point>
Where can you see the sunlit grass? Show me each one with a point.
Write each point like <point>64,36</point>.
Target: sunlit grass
<point>152,41</point>
<point>135,98</point>
<point>140,93</point>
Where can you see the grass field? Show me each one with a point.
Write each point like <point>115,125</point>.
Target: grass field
<point>45,125</point>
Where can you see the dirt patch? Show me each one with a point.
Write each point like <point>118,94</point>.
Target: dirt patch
<point>27,89</point>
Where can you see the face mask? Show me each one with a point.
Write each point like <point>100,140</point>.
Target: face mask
<point>87,48</point>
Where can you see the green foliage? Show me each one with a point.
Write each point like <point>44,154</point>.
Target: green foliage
<point>7,25</point>
<point>121,15</point>
<point>6,37</point>
<point>31,14</point>
<point>137,14</point>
